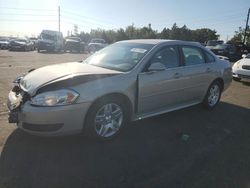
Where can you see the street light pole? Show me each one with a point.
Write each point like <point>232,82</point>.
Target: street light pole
<point>59,15</point>
<point>245,33</point>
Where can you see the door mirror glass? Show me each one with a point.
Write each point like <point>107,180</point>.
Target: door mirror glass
<point>156,67</point>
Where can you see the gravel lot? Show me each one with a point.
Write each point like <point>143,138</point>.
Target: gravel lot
<point>192,147</point>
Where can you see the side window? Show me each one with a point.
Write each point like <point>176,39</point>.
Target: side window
<point>192,56</point>
<point>209,57</point>
<point>168,56</point>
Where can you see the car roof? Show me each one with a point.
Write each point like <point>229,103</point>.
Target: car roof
<point>160,41</point>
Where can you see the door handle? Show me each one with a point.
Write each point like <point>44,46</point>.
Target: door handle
<point>177,75</point>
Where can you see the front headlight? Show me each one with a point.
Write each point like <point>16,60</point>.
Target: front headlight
<point>237,64</point>
<point>55,98</point>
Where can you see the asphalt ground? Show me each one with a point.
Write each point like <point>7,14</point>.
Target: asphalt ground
<point>192,147</point>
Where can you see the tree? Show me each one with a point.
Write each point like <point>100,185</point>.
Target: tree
<point>204,34</point>
<point>165,34</point>
<point>239,35</point>
<point>146,32</point>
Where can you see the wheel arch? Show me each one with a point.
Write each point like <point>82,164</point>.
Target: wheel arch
<point>219,80</point>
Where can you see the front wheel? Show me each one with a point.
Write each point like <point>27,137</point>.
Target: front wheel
<point>213,95</point>
<point>105,119</point>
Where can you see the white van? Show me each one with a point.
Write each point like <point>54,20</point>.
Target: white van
<point>50,41</point>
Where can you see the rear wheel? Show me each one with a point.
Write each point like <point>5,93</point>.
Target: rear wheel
<point>213,95</point>
<point>105,119</point>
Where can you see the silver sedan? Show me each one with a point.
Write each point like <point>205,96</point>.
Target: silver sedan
<point>128,80</point>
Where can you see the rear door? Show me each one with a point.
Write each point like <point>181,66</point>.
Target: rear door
<point>197,74</point>
<point>161,89</point>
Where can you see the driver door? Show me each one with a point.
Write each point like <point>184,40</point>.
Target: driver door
<point>162,89</point>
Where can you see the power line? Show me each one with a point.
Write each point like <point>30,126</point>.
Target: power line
<point>14,14</point>
<point>86,17</point>
<point>27,9</point>
<point>200,20</point>
<point>85,21</point>
<point>17,20</point>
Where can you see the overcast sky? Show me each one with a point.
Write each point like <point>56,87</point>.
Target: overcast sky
<point>29,17</point>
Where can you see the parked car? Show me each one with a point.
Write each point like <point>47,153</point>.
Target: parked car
<point>23,44</point>
<point>227,50</point>
<point>96,44</point>
<point>242,48</point>
<point>212,43</point>
<point>35,41</point>
<point>50,41</point>
<point>74,44</point>
<point>128,80</point>
<point>4,43</point>
<point>241,69</point>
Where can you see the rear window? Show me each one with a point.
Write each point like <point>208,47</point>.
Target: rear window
<point>192,56</point>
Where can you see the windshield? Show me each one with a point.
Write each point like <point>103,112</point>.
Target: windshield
<point>222,46</point>
<point>248,56</point>
<point>119,56</point>
<point>47,36</point>
<point>214,43</point>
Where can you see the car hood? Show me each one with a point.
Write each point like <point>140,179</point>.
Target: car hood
<point>38,78</point>
<point>245,61</point>
<point>18,42</point>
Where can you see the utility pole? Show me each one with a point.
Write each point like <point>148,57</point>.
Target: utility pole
<point>59,15</point>
<point>245,34</point>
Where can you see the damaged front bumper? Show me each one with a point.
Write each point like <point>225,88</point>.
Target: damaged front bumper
<point>45,121</point>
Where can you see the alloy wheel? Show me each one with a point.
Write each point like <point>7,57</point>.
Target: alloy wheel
<point>108,120</point>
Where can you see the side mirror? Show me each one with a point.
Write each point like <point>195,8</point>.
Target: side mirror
<point>156,67</point>
<point>244,56</point>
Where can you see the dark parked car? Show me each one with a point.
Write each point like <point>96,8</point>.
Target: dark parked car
<point>242,48</point>
<point>50,41</point>
<point>96,44</point>
<point>212,43</point>
<point>227,50</point>
<point>74,44</point>
<point>23,44</point>
<point>4,42</point>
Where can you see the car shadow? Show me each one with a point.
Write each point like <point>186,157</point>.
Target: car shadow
<point>246,83</point>
<point>154,152</point>
<point>51,52</point>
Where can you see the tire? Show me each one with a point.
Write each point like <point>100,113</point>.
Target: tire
<point>213,95</point>
<point>236,79</point>
<point>100,125</point>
